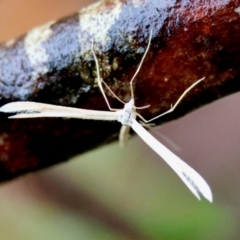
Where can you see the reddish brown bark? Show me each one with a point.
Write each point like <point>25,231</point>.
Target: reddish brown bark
<point>191,39</point>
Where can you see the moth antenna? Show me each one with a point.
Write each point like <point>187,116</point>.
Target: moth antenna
<point>140,65</point>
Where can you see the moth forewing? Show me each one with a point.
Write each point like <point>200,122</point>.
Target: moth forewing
<point>38,110</point>
<point>189,176</point>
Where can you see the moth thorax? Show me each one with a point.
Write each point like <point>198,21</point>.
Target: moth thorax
<point>128,113</point>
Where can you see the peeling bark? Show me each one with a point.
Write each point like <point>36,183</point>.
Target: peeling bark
<point>54,64</point>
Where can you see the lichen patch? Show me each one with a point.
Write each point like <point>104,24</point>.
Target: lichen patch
<point>35,51</point>
<point>237,10</point>
<point>95,21</point>
<point>10,42</point>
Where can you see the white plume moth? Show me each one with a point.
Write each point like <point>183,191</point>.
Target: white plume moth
<point>127,116</point>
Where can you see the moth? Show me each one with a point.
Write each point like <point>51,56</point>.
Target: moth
<point>127,117</point>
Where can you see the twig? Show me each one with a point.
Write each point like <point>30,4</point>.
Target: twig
<point>53,64</point>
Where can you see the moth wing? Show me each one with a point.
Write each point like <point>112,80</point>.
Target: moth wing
<point>36,110</point>
<point>189,176</point>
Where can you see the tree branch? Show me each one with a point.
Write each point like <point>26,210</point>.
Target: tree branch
<point>54,64</point>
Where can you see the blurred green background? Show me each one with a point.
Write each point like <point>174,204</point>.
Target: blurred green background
<point>129,193</point>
